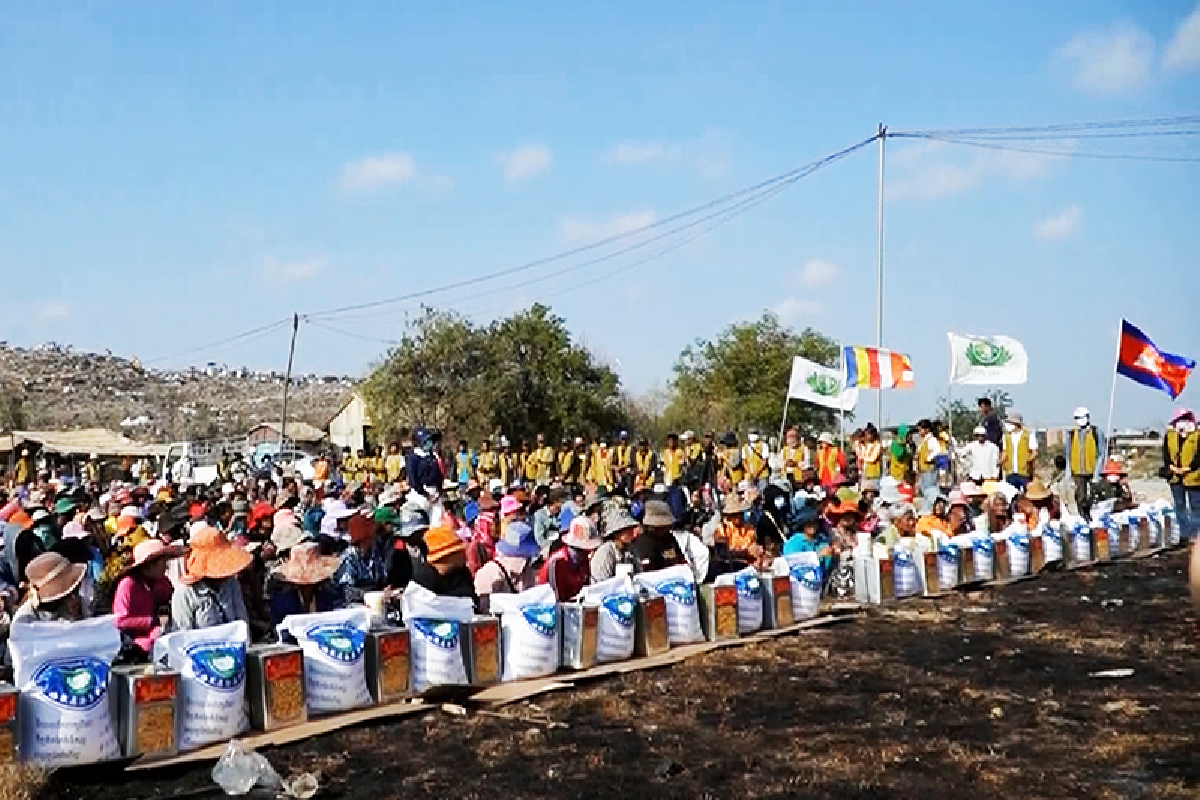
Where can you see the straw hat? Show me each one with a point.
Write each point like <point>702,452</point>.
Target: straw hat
<point>619,519</point>
<point>583,534</point>
<point>305,566</point>
<point>52,577</point>
<point>286,537</point>
<point>1036,490</point>
<point>442,543</point>
<point>657,515</point>
<point>152,550</point>
<point>213,556</point>
<point>734,505</point>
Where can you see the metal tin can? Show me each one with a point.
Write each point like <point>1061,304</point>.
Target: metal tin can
<point>718,612</point>
<point>145,702</point>
<point>1037,555</point>
<point>389,668</point>
<point>650,634</point>
<point>275,686</point>
<point>928,565</point>
<point>1143,535</point>
<point>481,650</point>
<point>10,731</point>
<point>966,565</point>
<point>1100,549</point>
<point>1168,532</point>
<point>1001,566</point>
<point>580,628</point>
<point>777,601</point>
<point>887,578</point>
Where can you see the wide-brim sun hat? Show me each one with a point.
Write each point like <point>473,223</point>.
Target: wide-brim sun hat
<point>305,566</point>
<point>734,505</point>
<point>213,556</point>
<point>842,509</point>
<point>285,537</point>
<point>582,534</point>
<point>957,498</point>
<point>509,505</point>
<point>1036,490</point>
<point>619,519</point>
<point>825,438</point>
<point>1112,467</point>
<point>657,514</point>
<point>152,550</point>
<point>64,505</point>
<point>441,543</point>
<point>525,546</point>
<point>52,577</point>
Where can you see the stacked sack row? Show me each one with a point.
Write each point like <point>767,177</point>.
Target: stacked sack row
<point>70,706</point>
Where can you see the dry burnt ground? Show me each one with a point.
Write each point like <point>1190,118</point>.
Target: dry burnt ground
<point>980,696</point>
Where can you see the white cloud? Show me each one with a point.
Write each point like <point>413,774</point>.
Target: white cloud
<point>795,308</point>
<point>377,172</point>
<point>1060,225</point>
<point>934,170</point>
<point>817,273</point>
<point>54,309</point>
<point>1183,51</point>
<point>525,162</point>
<point>630,152</point>
<point>292,271</point>
<point>1110,60</point>
<point>576,229</point>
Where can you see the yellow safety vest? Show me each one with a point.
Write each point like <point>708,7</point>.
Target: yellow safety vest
<point>395,467</point>
<point>924,462</point>
<point>694,450</point>
<point>543,463</point>
<point>1182,453</point>
<point>600,470</point>
<point>505,465</point>
<point>734,473</point>
<point>564,464</point>
<point>898,467</point>
<point>870,460</point>
<point>487,466</point>
<point>644,463</point>
<point>672,461</point>
<point>1017,442</point>
<point>529,466</point>
<point>462,463</point>
<point>621,456</point>
<point>756,466</point>
<point>1083,454</point>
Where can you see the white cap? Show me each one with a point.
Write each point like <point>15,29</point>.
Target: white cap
<point>980,430</point>
<point>131,511</point>
<point>495,485</point>
<point>1082,412</point>
<point>825,438</point>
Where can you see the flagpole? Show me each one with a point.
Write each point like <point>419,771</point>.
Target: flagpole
<point>783,422</point>
<point>842,401</point>
<point>1112,395</point>
<point>882,134</point>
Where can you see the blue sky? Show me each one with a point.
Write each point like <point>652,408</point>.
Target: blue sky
<point>174,174</point>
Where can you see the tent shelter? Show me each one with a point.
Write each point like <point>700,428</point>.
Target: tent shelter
<point>351,426</point>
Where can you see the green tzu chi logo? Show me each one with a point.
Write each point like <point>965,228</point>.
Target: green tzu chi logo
<point>823,385</point>
<point>984,353</point>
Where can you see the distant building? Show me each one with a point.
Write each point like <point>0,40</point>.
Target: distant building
<point>301,434</point>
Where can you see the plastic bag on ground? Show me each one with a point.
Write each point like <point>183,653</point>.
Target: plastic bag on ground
<point>239,770</point>
<point>530,631</point>
<point>615,632</point>
<point>677,585</point>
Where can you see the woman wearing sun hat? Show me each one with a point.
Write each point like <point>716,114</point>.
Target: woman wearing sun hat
<point>53,590</point>
<point>143,588</point>
<point>303,583</point>
<point>514,567</point>
<point>444,570</point>
<point>209,593</point>
<point>567,571</point>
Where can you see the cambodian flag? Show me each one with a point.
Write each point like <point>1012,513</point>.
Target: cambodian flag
<point>1140,360</point>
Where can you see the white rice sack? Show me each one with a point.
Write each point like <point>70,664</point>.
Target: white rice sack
<point>804,570</point>
<point>984,557</point>
<point>435,638</point>
<point>1052,541</point>
<point>617,603</point>
<point>1081,539</point>
<point>62,671</point>
<point>334,645</point>
<point>907,581</point>
<point>947,565</point>
<point>1169,515</point>
<point>530,632</point>
<point>1018,551</point>
<point>749,595</point>
<point>678,586</point>
<point>212,666</point>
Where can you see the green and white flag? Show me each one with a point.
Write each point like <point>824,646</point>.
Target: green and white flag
<point>824,386</point>
<point>987,360</point>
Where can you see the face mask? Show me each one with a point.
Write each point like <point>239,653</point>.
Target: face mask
<point>1081,422</point>
<point>780,502</point>
<point>1113,478</point>
<point>1008,426</point>
<point>1185,427</point>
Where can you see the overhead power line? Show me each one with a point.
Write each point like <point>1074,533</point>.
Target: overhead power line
<point>256,333</point>
<point>1064,127</point>
<point>992,145</point>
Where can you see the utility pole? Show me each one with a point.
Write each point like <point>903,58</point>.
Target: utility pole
<point>882,134</point>
<point>287,382</point>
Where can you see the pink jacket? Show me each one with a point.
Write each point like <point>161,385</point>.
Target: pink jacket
<point>136,607</point>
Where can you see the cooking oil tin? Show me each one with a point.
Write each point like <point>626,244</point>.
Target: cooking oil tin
<point>1037,555</point>
<point>718,612</point>
<point>1144,545</point>
<point>1001,566</point>
<point>580,627</point>
<point>481,649</point>
<point>650,634</point>
<point>145,702</point>
<point>10,731</point>
<point>777,601</point>
<point>1100,548</point>
<point>275,686</point>
<point>927,566</point>
<point>389,664</point>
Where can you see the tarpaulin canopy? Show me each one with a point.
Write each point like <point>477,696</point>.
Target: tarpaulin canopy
<point>100,441</point>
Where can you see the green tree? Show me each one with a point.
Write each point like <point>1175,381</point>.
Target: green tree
<point>739,380</point>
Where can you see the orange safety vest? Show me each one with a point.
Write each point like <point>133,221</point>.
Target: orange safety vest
<point>827,463</point>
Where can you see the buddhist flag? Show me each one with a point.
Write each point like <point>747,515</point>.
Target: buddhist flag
<point>987,360</point>
<point>823,386</point>
<point>869,368</point>
<point>1140,360</point>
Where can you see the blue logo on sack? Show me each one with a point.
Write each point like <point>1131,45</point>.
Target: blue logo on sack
<point>620,608</point>
<point>217,664</point>
<point>543,619</point>
<point>1055,534</point>
<point>948,555</point>
<point>440,633</point>
<point>678,591</point>
<point>748,586</point>
<point>340,641</point>
<point>1020,542</point>
<point>807,576</point>
<point>73,683</point>
<point>983,545</point>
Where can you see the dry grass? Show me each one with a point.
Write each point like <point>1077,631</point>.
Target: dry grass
<point>21,782</point>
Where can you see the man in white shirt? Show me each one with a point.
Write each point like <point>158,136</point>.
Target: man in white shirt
<point>983,458</point>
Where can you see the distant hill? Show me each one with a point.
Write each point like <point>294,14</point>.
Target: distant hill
<point>52,386</point>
